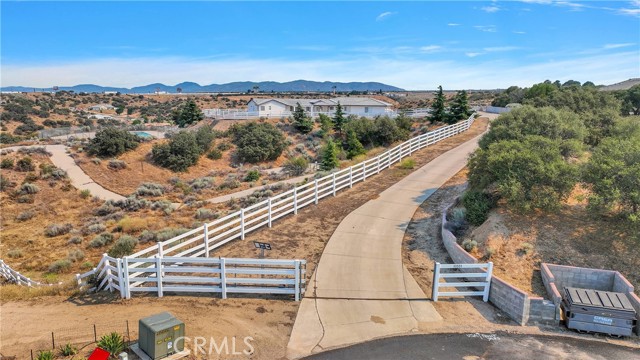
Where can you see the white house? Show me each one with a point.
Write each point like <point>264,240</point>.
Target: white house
<point>101,107</point>
<point>360,106</point>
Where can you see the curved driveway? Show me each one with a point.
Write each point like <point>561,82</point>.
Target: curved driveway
<point>360,289</point>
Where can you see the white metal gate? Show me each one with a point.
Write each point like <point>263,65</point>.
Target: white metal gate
<point>480,275</point>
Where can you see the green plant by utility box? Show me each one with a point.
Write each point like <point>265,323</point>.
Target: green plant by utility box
<point>158,334</point>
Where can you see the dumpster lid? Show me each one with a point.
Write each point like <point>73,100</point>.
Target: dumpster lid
<point>597,298</point>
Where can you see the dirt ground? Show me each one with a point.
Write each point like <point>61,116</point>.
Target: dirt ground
<point>302,236</point>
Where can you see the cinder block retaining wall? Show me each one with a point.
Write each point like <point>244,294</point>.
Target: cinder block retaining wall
<point>514,302</point>
<point>555,277</point>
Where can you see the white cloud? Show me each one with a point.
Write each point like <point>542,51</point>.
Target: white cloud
<point>473,54</point>
<point>310,47</point>
<point>617,46</point>
<point>487,28</point>
<point>490,9</point>
<point>430,48</point>
<point>631,9</point>
<point>519,32</point>
<point>385,15</point>
<point>413,74</point>
<point>501,48</point>
<point>453,24</point>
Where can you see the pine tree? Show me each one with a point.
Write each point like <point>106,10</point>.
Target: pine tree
<point>301,121</point>
<point>329,159</point>
<point>438,110</point>
<point>459,108</point>
<point>189,113</point>
<point>339,120</point>
<point>354,146</point>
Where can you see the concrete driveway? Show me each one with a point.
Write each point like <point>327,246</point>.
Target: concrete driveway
<point>360,289</point>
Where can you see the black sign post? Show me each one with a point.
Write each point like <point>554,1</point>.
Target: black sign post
<point>262,246</point>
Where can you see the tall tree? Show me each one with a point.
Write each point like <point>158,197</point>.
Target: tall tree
<point>329,159</point>
<point>189,113</point>
<point>339,120</point>
<point>354,146</point>
<point>301,121</point>
<point>438,110</point>
<point>459,107</point>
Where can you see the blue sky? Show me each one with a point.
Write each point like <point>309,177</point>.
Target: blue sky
<point>414,45</point>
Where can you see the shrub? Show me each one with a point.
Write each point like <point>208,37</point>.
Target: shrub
<point>25,215</point>
<point>59,266</point>
<point>230,183</point>
<point>168,233</point>
<point>57,229</point>
<point>116,164</point>
<point>111,142</point>
<point>93,229</point>
<point>5,183</point>
<point>223,146</point>
<point>329,156</point>
<point>469,244</point>
<point>45,355</point>
<point>296,166</point>
<point>75,255</point>
<point>150,189</point>
<point>206,214</point>
<point>124,246</point>
<point>477,205</point>
<point>112,343</point>
<point>75,240</point>
<point>29,188</point>
<point>132,225</point>
<point>164,205</point>
<point>214,154</point>
<point>68,350</point>
<point>15,253</point>
<point>6,163</point>
<point>201,183</point>
<point>105,209</point>
<point>407,163</point>
<point>204,138</point>
<point>85,193</point>
<point>354,146</point>
<point>527,248</point>
<point>252,175</point>
<point>101,240</point>
<point>147,236</point>
<point>25,164</point>
<point>181,152</point>
<point>31,177</point>
<point>96,161</point>
<point>256,142</point>
<point>130,204</point>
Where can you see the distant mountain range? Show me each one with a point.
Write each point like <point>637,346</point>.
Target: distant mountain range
<point>243,86</point>
<point>624,85</point>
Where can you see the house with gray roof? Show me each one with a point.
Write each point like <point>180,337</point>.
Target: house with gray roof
<point>361,106</point>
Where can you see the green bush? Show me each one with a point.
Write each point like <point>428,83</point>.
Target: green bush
<point>45,355</point>
<point>111,142</point>
<point>15,254</point>
<point>223,146</point>
<point>296,166</point>
<point>57,229</point>
<point>206,214</point>
<point>123,246</point>
<point>75,255</point>
<point>68,350</point>
<point>6,163</point>
<point>256,142</point>
<point>168,233</point>
<point>301,121</point>
<point>477,205</point>
<point>188,114</point>
<point>5,183</point>
<point>101,240</point>
<point>25,164</point>
<point>215,154</point>
<point>181,152</point>
<point>26,215</point>
<point>29,188</point>
<point>204,138</point>
<point>150,189</point>
<point>329,156</point>
<point>59,266</point>
<point>252,175</point>
<point>85,193</point>
<point>117,164</point>
<point>407,163</point>
<point>113,343</point>
<point>354,146</point>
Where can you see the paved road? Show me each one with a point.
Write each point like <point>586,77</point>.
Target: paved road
<point>361,289</point>
<point>79,179</point>
<point>499,346</point>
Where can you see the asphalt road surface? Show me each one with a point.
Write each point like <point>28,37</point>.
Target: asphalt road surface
<point>501,346</point>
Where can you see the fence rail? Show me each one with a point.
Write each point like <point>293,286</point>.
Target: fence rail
<point>480,279</point>
<point>15,277</point>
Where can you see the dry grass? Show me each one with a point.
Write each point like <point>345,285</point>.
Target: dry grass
<point>132,225</point>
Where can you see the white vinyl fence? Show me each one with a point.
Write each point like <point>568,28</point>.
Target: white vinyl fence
<point>15,277</point>
<point>481,279</point>
<point>162,275</point>
<point>200,242</point>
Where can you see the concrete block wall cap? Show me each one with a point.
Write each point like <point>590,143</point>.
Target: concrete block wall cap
<point>624,279</point>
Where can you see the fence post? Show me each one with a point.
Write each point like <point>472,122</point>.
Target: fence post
<point>53,341</point>
<point>95,333</point>
<point>434,283</point>
<point>78,280</point>
<point>205,229</point>
<point>378,165</point>
<point>160,249</point>
<point>410,146</point>
<point>295,200</point>
<point>487,288</point>
<point>159,275</point>
<point>297,274</point>
<point>316,191</point>
<point>127,291</point>
<point>120,277</point>
<point>269,202</point>
<point>242,224</point>
<point>350,177</point>
<point>334,184</point>
<point>223,277</point>
<point>108,272</point>
<point>364,170</point>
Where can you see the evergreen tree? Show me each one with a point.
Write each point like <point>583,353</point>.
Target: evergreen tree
<point>301,121</point>
<point>329,159</point>
<point>459,108</point>
<point>339,120</point>
<point>438,110</point>
<point>354,146</point>
<point>189,113</point>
